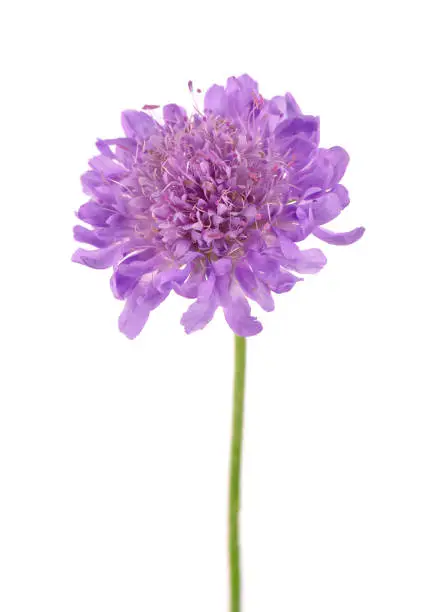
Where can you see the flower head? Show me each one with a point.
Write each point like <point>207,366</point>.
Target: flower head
<point>211,206</point>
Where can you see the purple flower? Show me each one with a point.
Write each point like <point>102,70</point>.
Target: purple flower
<point>211,206</point>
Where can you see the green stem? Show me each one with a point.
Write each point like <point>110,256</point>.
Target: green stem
<point>235,465</point>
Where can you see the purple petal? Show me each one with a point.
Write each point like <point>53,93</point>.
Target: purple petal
<point>106,166</point>
<point>289,249</point>
<point>248,84</point>
<point>130,270</point>
<point>174,114</point>
<point>241,94</point>
<point>328,205</point>
<point>189,288</point>
<point>310,261</point>
<point>303,124</point>
<point>202,311</point>
<point>339,238</point>
<point>83,234</point>
<point>199,314</point>
<point>263,265</point>
<point>283,281</point>
<point>181,247</point>
<point>292,108</point>
<point>98,259</point>
<point>253,287</point>
<point>167,279</point>
<point>91,180</point>
<point>222,266</point>
<point>215,100</point>
<point>305,262</point>
<point>139,304</point>
<point>94,214</point>
<point>339,159</point>
<point>236,308</point>
<point>277,106</point>
<point>138,205</point>
<point>123,143</point>
<point>237,315</point>
<point>138,125</point>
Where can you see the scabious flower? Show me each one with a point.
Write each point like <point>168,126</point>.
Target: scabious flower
<point>212,206</point>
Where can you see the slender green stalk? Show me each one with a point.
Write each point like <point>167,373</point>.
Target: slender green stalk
<point>235,468</point>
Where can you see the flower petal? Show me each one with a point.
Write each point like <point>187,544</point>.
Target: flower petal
<point>283,281</point>
<point>138,306</point>
<point>189,288</point>
<point>338,159</point>
<point>130,270</point>
<point>298,125</point>
<point>236,308</point>
<point>94,214</point>
<point>138,125</point>
<point>328,205</point>
<point>339,238</point>
<point>168,278</point>
<point>99,258</point>
<point>241,92</point>
<point>83,234</point>
<point>237,315</point>
<point>202,311</point>
<point>199,314</point>
<point>253,287</point>
<point>308,261</point>
<point>174,114</point>
<point>106,167</point>
<point>292,108</point>
<point>215,100</point>
<point>222,266</point>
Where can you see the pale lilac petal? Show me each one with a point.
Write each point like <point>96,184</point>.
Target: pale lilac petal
<point>253,287</point>
<point>247,84</point>
<point>138,306</point>
<point>106,166</point>
<point>222,266</point>
<point>292,108</point>
<point>91,181</point>
<point>171,277</point>
<point>215,100</point>
<point>92,213</point>
<point>202,311</point>
<point>189,288</point>
<point>83,234</point>
<point>138,125</point>
<point>299,125</point>
<point>199,314</point>
<point>237,315</point>
<point>283,281</point>
<point>305,262</point>
<point>339,159</point>
<point>277,106</point>
<point>236,308</point>
<point>130,270</point>
<point>339,238</point>
<point>174,114</point>
<point>181,247</point>
<point>242,93</point>
<point>138,206</point>
<point>99,258</point>
<point>309,261</point>
<point>328,205</point>
<point>289,249</point>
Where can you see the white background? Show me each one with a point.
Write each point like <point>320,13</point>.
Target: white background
<point>114,454</point>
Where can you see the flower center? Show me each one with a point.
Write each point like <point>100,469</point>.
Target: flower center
<point>210,182</point>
